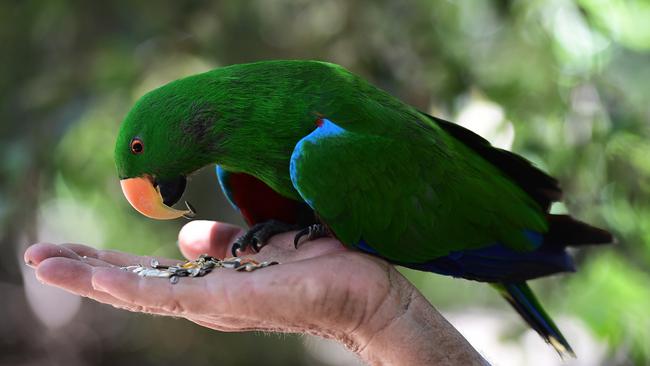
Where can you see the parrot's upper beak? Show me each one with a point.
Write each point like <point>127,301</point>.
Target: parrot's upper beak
<point>153,198</point>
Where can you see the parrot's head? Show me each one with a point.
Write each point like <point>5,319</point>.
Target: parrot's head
<point>230,116</point>
<point>168,134</point>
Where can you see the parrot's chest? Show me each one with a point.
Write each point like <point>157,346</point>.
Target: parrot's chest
<point>257,202</point>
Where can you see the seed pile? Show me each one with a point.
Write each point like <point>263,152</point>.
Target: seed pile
<point>197,268</point>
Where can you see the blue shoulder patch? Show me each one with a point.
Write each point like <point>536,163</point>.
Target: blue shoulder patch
<point>325,129</point>
<point>222,176</point>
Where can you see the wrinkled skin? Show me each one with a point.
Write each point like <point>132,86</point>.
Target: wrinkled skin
<point>322,288</point>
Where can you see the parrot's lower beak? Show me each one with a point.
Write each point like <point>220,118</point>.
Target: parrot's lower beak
<point>153,198</point>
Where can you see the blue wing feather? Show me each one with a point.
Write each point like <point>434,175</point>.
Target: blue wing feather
<point>496,262</point>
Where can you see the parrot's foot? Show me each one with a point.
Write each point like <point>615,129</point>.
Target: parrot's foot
<point>257,236</point>
<point>312,232</point>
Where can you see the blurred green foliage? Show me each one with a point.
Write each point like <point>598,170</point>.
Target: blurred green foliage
<point>571,77</point>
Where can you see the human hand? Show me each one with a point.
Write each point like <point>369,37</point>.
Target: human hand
<point>322,288</point>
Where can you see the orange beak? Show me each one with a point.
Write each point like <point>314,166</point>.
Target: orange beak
<point>146,199</point>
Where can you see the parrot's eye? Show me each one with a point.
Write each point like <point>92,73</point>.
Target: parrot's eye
<point>136,146</point>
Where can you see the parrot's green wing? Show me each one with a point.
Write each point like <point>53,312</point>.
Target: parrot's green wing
<point>411,200</point>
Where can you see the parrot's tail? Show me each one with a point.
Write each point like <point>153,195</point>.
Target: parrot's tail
<point>520,296</point>
<point>564,230</point>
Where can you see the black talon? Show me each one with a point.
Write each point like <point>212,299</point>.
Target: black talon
<point>258,235</point>
<point>257,246</point>
<point>235,248</point>
<point>256,243</point>
<point>312,232</point>
<point>299,235</point>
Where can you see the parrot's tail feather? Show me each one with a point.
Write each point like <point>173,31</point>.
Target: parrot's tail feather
<point>564,231</point>
<point>522,299</point>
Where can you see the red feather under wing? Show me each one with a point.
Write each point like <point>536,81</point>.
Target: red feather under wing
<point>258,202</point>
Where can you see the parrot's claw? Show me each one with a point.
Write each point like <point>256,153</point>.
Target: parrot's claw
<point>312,232</point>
<point>257,236</point>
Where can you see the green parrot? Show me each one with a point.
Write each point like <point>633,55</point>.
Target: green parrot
<point>308,145</point>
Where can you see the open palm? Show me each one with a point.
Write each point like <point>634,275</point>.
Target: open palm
<point>321,288</point>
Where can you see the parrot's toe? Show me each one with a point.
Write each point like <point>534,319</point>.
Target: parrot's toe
<point>312,232</point>
<point>258,235</point>
<point>236,248</point>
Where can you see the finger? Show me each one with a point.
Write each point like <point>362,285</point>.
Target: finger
<point>39,252</point>
<point>188,296</point>
<point>76,277</point>
<point>207,237</point>
<point>225,301</point>
<point>210,306</point>
<point>115,257</point>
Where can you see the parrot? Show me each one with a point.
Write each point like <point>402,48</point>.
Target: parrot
<point>310,146</point>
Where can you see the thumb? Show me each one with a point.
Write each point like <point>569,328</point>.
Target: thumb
<point>207,237</point>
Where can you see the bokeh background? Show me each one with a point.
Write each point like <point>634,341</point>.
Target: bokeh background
<point>564,83</point>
